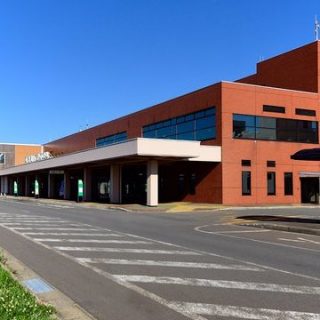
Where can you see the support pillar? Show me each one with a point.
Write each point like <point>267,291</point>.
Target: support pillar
<point>152,183</point>
<point>66,180</point>
<point>87,181</point>
<point>115,178</point>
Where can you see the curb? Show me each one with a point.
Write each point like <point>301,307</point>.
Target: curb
<point>282,228</point>
<point>65,307</point>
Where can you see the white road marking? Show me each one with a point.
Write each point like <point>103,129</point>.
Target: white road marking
<point>175,264</point>
<point>72,234</point>
<point>44,224</point>
<point>93,241</point>
<point>243,231</point>
<point>88,249</point>
<point>290,240</point>
<point>256,286</point>
<point>243,312</point>
<point>199,229</point>
<point>310,241</point>
<point>29,218</point>
<point>56,229</point>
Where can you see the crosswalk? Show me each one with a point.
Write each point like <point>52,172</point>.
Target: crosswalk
<point>195,284</point>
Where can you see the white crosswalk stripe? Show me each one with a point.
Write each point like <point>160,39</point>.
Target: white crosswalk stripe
<point>94,241</point>
<point>73,234</point>
<point>57,233</point>
<point>56,229</point>
<point>243,312</point>
<point>257,286</point>
<point>125,250</point>
<point>175,264</point>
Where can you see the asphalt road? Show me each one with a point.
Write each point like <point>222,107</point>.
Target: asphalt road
<point>140,266</point>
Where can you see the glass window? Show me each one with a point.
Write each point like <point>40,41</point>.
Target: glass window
<point>271,183</point>
<point>185,127</point>
<point>204,123</point>
<point>205,134</point>
<point>193,183</point>
<point>114,138</point>
<point>1,158</point>
<point>288,183</point>
<point>200,125</point>
<point>246,183</point>
<point>275,129</point>
<point>266,134</point>
<point>186,136</point>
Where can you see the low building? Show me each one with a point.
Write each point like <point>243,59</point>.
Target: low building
<point>227,143</point>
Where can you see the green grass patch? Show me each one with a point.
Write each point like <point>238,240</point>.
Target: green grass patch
<point>16,303</point>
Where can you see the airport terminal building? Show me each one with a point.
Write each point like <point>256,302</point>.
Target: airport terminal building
<point>228,143</point>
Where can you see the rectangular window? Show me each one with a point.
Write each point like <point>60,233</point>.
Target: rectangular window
<point>271,163</point>
<point>200,125</point>
<point>246,163</point>
<point>277,109</point>
<point>288,183</point>
<point>114,138</point>
<point>271,183</point>
<point>306,112</point>
<point>246,183</point>
<point>1,158</point>
<point>274,129</point>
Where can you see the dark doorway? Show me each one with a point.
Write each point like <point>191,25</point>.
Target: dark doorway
<point>134,184</point>
<point>310,190</point>
<point>101,184</point>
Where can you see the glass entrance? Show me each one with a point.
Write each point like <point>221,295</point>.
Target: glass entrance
<point>310,190</point>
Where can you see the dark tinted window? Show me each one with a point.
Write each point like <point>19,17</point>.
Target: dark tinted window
<point>246,183</point>
<point>246,163</point>
<point>114,138</point>
<point>305,112</point>
<point>199,126</point>
<point>288,184</point>
<point>278,109</point>
<point>271,183</point>
<point>274,129</point>
<point>271,163</point>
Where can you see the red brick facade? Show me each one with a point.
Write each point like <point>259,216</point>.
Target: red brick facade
<point>290,80</point>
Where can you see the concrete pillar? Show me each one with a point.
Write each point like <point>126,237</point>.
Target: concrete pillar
<point>66,180</point>
<point>115,183</point>
<point>152,183</point>
<point>87,184</point>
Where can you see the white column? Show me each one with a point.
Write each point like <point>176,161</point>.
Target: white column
<point>152,183</point>
<point>115,177</point>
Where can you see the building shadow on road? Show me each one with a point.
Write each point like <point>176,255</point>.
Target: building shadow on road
<point>279,219</point>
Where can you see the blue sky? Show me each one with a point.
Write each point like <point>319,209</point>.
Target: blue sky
<point>68,63</point>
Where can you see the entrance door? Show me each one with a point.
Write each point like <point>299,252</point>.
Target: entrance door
<point>310,190</point>
<point>134,184</point>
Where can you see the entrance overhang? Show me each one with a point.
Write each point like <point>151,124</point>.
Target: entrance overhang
<point>144,148</point>
<point>307,155</point>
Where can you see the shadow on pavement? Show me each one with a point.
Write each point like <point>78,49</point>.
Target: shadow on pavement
<point>279,219</point>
